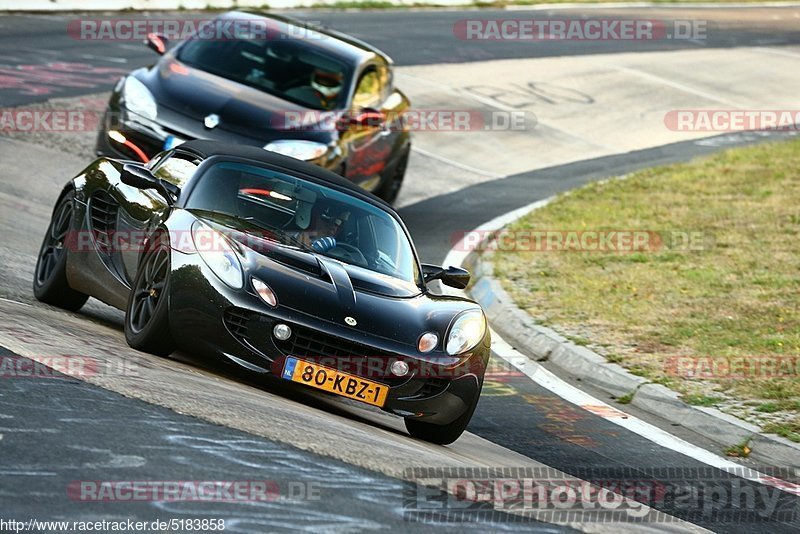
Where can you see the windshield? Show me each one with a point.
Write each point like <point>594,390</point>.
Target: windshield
<point>316,218</point>
<point>290,69</point>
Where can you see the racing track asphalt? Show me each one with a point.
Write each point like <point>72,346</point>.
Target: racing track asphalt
<point>518,414</point>
<point>409,37</point>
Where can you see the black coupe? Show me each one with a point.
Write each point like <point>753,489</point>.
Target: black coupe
<point>306,92</point>
<point>277,265</point>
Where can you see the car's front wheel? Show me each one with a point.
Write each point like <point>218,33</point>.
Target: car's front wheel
<point>50,275</point>
<point>389,190</point>
<point>442,434</point>
<point>147,313</point>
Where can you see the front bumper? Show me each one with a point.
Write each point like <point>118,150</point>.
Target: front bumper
<point>206,316</point>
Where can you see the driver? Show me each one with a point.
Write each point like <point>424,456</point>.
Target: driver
<point>327,85</point>
<point>327,219</point>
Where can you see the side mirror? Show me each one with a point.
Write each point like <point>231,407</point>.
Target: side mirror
<point>451,276</point>
<point>141,178</point>
<point>157,43</point>
<point>366,118</point>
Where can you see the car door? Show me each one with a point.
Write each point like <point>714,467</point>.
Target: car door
<point>370,135</point>
<point>140,211</point>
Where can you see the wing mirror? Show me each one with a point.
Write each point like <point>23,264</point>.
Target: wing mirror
<point>141,178</point>
<point>451,276</point>
<point>157,43</point>
<point>366,118</point>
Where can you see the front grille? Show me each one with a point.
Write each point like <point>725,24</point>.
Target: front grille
<point>236,321</point>
<point>103,211</point>
<point>308,342</point>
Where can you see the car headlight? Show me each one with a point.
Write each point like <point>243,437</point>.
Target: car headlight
<point>298,149</point>
<point>467,331</point>
<point>218,254</point>
<point>138,99</point>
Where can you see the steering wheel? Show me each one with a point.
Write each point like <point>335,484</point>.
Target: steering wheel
<point>348,253</point>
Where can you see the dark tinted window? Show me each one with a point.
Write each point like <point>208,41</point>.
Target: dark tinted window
<point>303,214</point>
<point>288,69</point>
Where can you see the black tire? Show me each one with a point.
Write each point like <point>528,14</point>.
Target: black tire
<point>390,187</point>
<point>442,434</point>
<point>50,275</point>
<point>147,313</point>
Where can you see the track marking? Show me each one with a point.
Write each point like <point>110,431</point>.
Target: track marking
<point>677,85</point>
<point>580,398</point>
<point>12,301</point>
<point>777,51</point>
<point>497,105</point>
<point>571,394</point>
<point>453,163</point>
<point>105,58</point>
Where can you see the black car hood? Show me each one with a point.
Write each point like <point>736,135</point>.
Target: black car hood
<point>346,279</point>
<point>244,110</point>
<point>326,289</point>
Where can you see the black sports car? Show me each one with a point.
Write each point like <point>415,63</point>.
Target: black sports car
<point>275,264</point>
<point>310,93</point>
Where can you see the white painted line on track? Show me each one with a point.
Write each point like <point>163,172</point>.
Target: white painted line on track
<point>571,394</point>
<point>12,301</point>
<point>105,58</point>
<point>677,85</point>
<point>580,398</point>
<point>776,51</point>
<point>456,164</point>
<point>497,105</point>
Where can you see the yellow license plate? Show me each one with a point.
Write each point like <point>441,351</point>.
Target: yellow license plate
<point>328,379</point>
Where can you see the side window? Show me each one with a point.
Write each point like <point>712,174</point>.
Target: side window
<point>368,90</point>
<point>177,168</point>
<point>385,75</point>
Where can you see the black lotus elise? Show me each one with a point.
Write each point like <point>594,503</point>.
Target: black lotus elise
<point>277,265</point>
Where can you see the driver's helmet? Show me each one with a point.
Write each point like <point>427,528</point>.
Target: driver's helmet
<point>326,83</point>
<point>330,213</point>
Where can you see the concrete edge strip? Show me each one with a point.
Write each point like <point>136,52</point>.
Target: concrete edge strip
<point>538,343</point>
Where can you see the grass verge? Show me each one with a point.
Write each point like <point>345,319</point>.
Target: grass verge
<point>711,308</point>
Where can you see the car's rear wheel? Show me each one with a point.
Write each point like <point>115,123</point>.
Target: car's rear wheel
<point>442,434</point>
<point>147,313</point>
<point>50,276</point>
<point>390,188</point>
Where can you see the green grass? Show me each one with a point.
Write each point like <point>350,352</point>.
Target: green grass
<point>701,400</point>
<point>731,298</point>
<point>789,430</point>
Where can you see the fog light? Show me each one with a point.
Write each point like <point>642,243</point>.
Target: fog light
<point>400,368</point>
<point>428,342</point>
<point>282,331</point>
